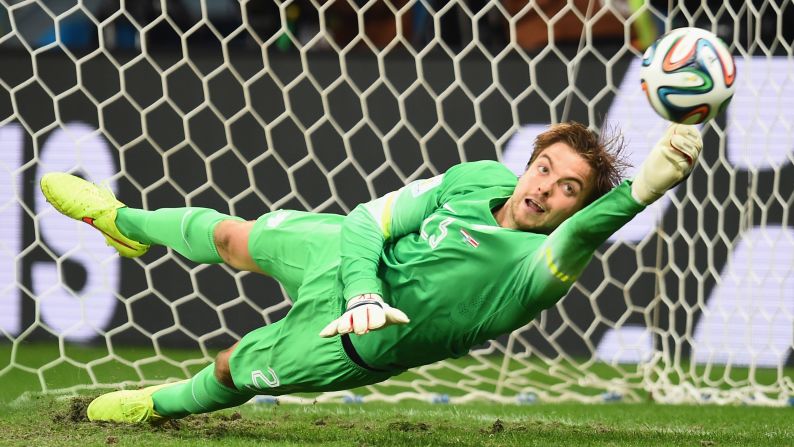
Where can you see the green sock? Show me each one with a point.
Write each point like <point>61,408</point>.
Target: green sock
<point>189,231</point>
<point>201,394</point>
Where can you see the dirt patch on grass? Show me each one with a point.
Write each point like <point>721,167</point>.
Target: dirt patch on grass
<point>76,411</point>
<point>546,426</point>
<point>168,425</point>
<point>212,425</point>
<point>406,426</point>
<point>497,427</point>
<point>232,417</point>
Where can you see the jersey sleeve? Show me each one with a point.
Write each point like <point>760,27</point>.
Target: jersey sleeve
<point>566,252</point>
<point>367,228</point>
<point>370,225</point>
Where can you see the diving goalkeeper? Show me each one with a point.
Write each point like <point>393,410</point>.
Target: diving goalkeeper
<point>419,275</point>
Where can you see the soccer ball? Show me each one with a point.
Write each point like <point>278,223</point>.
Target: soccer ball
<point>688,75</point>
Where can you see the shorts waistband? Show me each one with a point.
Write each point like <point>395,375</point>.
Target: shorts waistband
<point>351,352</point>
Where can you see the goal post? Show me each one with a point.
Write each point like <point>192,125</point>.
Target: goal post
<point>320,106</point>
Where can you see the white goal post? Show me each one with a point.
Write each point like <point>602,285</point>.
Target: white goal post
<point>321,105</point>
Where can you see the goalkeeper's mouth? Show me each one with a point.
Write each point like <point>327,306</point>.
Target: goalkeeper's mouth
<point>533,205</point>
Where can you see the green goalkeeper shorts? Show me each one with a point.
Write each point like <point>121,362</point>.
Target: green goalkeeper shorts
<point>301,251</point>
<point>289,245</point>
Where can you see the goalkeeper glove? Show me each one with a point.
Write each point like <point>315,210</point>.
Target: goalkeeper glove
<point>668,164</point>
<point>364,313</point>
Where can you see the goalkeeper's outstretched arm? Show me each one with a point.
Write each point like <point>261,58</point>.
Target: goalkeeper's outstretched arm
<point>570,247</point>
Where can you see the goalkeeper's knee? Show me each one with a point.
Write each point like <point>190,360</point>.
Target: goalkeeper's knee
<point>223,372</point>
<point>669,163</point>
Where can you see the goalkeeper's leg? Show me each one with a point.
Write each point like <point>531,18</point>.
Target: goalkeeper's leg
<point>199,234</point>
<point>280,358</point>
<point>209,390</point>
<point>202,235</point>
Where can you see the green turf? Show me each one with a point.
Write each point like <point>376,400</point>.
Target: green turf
<point>47,421</point>
<point>33,367</point>
<point>35,419</point>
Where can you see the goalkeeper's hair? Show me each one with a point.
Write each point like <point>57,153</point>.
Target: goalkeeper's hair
<point>605,153</point>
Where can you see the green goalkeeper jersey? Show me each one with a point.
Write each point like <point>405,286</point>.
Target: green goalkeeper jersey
<point>434,250</point>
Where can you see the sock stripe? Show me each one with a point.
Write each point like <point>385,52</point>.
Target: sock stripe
<point>193,393</point>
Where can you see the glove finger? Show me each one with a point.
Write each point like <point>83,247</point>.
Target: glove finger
<point>377,317</point>
<point>345,323</point>
<point>330,329</point>
<point>396,316</point>
<point>697,140</point>
<point>684,144</point>
<point>680,142</point>
<point>360,316</point>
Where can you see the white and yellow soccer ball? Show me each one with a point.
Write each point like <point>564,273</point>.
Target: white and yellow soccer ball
<point>688,75</point>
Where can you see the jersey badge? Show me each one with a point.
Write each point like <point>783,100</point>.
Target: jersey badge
<point>467,237</point>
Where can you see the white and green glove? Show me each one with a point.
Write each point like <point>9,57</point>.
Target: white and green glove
<point>365,313</point>
<point>669,163</point>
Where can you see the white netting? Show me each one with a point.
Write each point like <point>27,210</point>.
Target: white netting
<point>322,105</point>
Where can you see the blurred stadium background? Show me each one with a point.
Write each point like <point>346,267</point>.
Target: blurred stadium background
<point>319,105</point>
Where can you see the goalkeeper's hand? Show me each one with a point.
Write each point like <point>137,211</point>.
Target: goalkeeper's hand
<point>669,163</point>
<point>365,313</point>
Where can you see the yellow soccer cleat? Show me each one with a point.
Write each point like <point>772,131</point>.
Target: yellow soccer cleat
<point>87,202</point>
<point>129,406</point>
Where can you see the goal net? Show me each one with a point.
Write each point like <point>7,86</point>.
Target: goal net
<point>321,105</point>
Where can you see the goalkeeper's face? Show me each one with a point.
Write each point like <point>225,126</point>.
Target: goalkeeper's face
<point>554,187</point>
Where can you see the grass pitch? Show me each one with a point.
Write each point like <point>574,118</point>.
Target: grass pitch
<point>51,421</point>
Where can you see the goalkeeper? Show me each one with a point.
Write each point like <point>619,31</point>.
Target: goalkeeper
<point>468,255</point>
